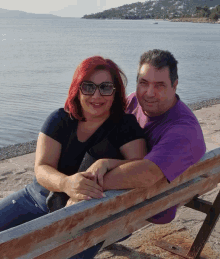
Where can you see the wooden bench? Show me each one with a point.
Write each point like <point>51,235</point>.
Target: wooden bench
<point>71,230</point>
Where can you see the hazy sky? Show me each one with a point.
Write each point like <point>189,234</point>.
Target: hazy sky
<point>63,7</point>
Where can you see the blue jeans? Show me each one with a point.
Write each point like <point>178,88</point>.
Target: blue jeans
<point>17,209</point>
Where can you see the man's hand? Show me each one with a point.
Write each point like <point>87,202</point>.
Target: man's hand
<point>98,170</point>
<point>81,186</point>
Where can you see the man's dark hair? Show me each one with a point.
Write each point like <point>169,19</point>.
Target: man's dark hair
<point>160,59</point>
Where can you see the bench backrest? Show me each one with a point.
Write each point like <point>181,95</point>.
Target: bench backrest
<point>71,230</point>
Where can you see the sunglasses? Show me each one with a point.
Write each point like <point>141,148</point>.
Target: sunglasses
<point>105,88</point>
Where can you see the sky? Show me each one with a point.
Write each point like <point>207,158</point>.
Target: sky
<point>65,8</point>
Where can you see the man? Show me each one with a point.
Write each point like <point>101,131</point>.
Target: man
<point>173,134</point>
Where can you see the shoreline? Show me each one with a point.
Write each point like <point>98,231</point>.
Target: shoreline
<point>25,148</point>
<point>195,20</point>
<point>19,149</point>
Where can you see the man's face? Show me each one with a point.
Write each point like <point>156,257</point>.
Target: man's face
<point>154,91</point>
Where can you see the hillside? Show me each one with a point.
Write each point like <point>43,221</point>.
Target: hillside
<point>159,9</point>
<point>20,14</point>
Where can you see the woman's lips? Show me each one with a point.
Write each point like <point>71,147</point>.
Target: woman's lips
<point>97,105</point>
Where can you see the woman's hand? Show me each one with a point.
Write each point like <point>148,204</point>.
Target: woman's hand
<point>98,170</point>
<point>81,186</point>
<point>72,202</point>
<point>86,190</point>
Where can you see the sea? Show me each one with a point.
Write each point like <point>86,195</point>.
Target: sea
<point>39,56</point>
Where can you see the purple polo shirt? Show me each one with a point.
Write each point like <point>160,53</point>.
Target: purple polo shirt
<point>174,142</point>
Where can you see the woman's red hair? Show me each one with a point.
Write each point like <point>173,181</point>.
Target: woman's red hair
<point>83,71</point>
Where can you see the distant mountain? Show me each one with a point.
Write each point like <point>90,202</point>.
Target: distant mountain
<point>82,7</point>
<point>20,14</point>
<point>157,9</point>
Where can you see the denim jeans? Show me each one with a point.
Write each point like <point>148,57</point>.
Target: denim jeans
<point>17,209</point>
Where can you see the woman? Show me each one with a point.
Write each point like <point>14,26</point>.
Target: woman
<point>93,113</point>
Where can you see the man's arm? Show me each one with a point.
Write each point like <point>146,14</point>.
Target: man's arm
<point>136,174</point>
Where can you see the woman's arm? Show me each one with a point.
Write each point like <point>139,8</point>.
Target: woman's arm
<point>46,162</point>
<point>47,157</point>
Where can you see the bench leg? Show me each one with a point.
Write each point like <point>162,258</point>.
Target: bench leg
<point>213,213</point>
<point>206,229</point>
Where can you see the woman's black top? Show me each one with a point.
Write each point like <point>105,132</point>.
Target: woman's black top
<point>62,128</point>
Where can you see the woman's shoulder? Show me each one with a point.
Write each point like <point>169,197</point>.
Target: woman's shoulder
<point>58,121</point>
<point>60,115</point>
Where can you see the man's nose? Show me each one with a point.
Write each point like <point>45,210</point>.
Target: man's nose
<point>150,90</point>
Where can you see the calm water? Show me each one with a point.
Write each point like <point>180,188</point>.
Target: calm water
<point>38,58</point>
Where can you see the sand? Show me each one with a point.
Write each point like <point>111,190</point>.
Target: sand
<point>16,172</point>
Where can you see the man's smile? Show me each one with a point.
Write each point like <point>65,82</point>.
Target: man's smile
<point>150,102</point>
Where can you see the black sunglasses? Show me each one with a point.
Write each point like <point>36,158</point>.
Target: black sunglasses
<point>105,88</point>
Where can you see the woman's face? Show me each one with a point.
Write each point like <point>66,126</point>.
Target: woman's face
<point>96,105</point>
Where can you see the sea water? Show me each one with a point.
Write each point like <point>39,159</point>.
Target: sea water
<point>38,58</point>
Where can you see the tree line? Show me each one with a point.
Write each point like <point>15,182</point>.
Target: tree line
<point>213,14</point>
<point>143,11</point>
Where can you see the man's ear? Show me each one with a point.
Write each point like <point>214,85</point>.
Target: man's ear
<point>175,84</point>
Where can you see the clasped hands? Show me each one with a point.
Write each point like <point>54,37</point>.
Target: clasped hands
<point>86,185</point>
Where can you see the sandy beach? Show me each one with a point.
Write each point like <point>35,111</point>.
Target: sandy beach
<point>17,171</point>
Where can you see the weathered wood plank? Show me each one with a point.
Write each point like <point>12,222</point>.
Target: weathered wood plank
<point>58,228</point>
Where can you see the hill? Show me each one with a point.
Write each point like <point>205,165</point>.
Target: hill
<point>159,9</point>
<point>4,13</point>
